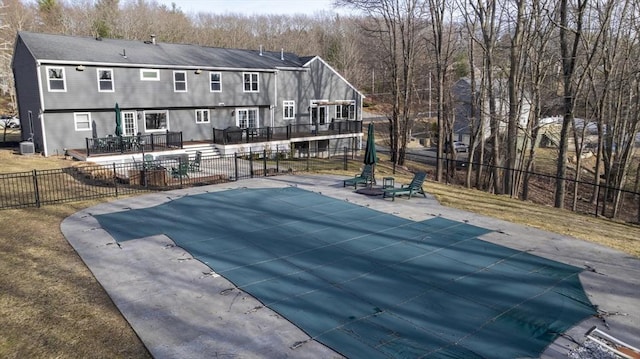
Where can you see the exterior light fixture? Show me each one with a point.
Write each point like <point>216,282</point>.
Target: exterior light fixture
<point>80,68</point>
<point>198,72</point>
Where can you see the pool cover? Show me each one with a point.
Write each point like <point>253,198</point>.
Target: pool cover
<point>369,284</point>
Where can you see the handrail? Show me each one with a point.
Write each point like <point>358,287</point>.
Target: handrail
<point>134,144</point>
<point>236,135</point>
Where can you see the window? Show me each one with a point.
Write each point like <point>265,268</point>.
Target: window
<point>156,121</point>
<point>346,111</point>
<point>180,81</point>
<point>149,75</point>
<point>82,121</point>
<point>56,80</point>
<point>105,80</point>
<point>247,118</point>
<point>250,81</point>
<point>202,116</point>
<point>215,80</point>
<point>288,108</point>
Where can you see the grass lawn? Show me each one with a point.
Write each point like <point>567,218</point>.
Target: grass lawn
<point>51,305</point>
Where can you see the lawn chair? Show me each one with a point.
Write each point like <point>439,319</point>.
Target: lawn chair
<point>180,171</point>
<point>365,177</point>
<point>148,162</point>
<point>194,166</point>
<point>415,187</point>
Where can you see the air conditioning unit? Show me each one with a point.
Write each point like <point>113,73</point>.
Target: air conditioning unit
<point>26,148</point>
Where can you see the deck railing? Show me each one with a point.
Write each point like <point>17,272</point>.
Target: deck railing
<point>235,135</point>
<point>134,144</point>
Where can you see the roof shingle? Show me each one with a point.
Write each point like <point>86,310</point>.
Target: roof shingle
<point>63,48</point>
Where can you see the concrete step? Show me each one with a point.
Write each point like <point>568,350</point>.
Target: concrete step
<point>208,150</point>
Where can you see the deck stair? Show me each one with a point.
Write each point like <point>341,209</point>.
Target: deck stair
<point>208,150</point>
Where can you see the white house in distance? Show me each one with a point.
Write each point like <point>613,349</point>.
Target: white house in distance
<point>174,96</point>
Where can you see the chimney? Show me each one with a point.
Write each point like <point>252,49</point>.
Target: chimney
<point>282,54</point>
<point>153,39</point>
<point>260,50</point>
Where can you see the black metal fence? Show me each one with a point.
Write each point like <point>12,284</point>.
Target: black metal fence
<point>582,195</point>
<point>84,181</point>
<point>134,144</point>
<point>235,135</point>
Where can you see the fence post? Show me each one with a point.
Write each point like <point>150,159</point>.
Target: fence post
<point>264,161</point>
<point>344,159</point>
<point>277,160</point>
<point>115,179</point>
<point>235,159</point>
<point>36,191</point>
<point>308,158</point>
<point>250,163</point>
<point>180,159</point>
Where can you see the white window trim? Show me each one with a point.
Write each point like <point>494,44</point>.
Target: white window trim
<point>75,121</point>
<point>350,103</point>
<point>144,121</point>
<point>186,86</point>
<point>64,78</point>
<point>157,72</point>
<point>203,111</point>
<point>113,85</point>
<point>238,110</point>
<point>285,104</point>
<point>251,82</point>
<point>220,81</point>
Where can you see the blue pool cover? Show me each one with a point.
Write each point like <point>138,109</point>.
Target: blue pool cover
<point>369,284</point>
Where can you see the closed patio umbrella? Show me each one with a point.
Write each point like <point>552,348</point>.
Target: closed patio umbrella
<point>118,120</point>
<point>370,156</point>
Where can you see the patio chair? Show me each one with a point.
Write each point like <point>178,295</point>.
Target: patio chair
<point>180,171</point>
<point>365,177</point>
<point>194,166</point>
<point>148,162</point>
<point>415,187</point>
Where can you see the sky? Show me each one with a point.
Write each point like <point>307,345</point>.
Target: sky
<point>251,7</point>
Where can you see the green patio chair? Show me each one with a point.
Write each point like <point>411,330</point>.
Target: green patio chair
<point>415,187</point>
<point>365,177</point>
<point>180,171</point>
<point>194,166</point>
<point>148,162</point>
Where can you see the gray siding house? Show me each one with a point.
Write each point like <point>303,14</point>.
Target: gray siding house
<point>68,86</point>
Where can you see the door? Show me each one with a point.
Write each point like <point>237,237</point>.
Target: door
<point>319,115</point>
<point>129,124</point>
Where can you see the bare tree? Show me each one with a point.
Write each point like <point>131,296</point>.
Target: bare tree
<point>540,63</point>
<point>442,45</point>
<point>516,93</point>
<point>396,26</point>
<point>486,15</point>
<point>572,19</point>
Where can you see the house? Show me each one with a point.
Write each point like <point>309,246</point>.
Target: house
<point>464,123</point>
<point>174,95</point>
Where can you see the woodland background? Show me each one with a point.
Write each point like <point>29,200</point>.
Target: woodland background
<point>564,58</point>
